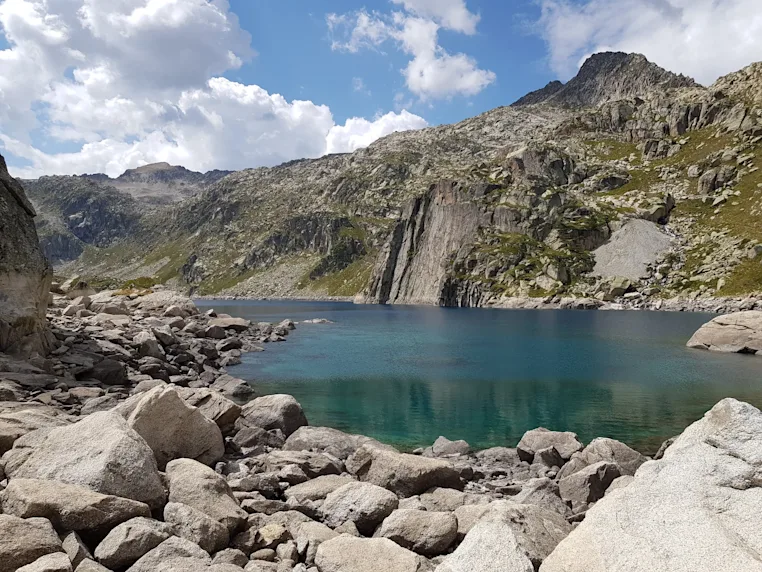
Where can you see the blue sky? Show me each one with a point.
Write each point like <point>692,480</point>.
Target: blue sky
<point>102,86</point>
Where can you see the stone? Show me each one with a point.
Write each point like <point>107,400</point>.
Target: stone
<point>109,372</point>
<point>75,549</point>
<point>68,507</point>
<point>467,516</point>
<point>427,533</point>
<point>406,475</point>
<point>194,525</point>
<point>57,562</point>
<point>589,484</point>
<point>18,423</point>
<point>549,458</point>
<point>231,556</point>
<point>313,464</point>
<point>198,486</point>
<point>22,541</point>
<point>447,500</point>
<point>318,488</point>
<point>213,406</point>
<point>100,452</point>
<point>509,536</point>
<point>172,428</point>
<point>542,492</point>
<point>275,412</point>
<point>443,447</point>
<point>565,442</point>
<point>165,336</point>
<point>130,541</point>
<point>697,509</point>
<point>604,449</point>
<point>630,250</point>
<point>740,332</point>
<point>349,554</point>
<point>326,440</point>
<point>99,404</point>
<point>232,387</point>
<point>309,536</point>
<point>174,555</point>
<point>362,503</point>
<point>147,345</point>
<point>91,566</point>
<point>235,324</point>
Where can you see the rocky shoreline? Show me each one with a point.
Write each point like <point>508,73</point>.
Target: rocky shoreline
<point>129,448</point>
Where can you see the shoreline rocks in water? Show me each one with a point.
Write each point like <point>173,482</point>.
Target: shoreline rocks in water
<point>734,333</point>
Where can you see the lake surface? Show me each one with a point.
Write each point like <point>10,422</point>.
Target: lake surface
<point>406,375</point>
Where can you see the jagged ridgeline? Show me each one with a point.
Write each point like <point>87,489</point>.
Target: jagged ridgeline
<point>628,179</point>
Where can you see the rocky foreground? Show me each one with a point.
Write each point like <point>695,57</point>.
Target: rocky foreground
<point>129,449</point>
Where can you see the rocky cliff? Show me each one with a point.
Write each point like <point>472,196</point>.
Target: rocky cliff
<point>25,275</point>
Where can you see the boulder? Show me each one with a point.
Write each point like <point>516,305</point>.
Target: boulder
<point>603,449</point>
<point>172,428</point>
<point>443,447</point>
<point>313,464</point>
<point>349,554</point>
<point>22,541</point>
<point>194,525</point>
<point>232,387</point>
<point>91,566</point>
<point>173,555</point>
<point>732,333</point>
<point>235,324</point>
<point>427,533</point>
<point>109,372</point>
<point>213,406</point>
<point>509,536</point>
<point>588,485</point>
<point>198,486</point>
<point>275,412</point>
<point>565,442</point>
<point>406,475</point>
<point>467,516</point>
<point>327,440</point>
<point>697,509</point>
<point>56,562</point>
<point>101,453</point>
<point>68,507</point>
<point>25,274</point>
<point>164,300</point>
<point>309,536</point>
<point>130,541</point>
<point>542,492</point>
<point>14,424</point>
<point>447,500</point>
<point>364,504</point>
<point>147,345</point>
<point>231,556</point>
<point>318,488</point>
<point>75,548</point>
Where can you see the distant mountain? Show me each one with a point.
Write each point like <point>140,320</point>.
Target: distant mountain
<point>609,76</point>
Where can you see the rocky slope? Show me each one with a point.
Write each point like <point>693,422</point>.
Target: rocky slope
<point>544,197</point>
<point>25,275</point>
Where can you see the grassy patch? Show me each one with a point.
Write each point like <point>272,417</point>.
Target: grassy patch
<point>348,282</point>
<point>745,278</point>
<point>612,150</point>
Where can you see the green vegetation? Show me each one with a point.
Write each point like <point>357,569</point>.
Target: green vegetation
<point>745,278</point>
<point>612,149</point>
<point>347,282</point>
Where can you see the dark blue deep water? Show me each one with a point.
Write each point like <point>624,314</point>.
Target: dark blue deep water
<point>406,375</point>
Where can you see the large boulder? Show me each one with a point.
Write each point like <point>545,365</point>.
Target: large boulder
<point>68,507</point>
<point>406,475</point>
<point>349,554</point>
<point>25,274</point>
<point>733,333</point>
<point>565,442</point>
<point>604,449</point>
<point>173,555</point>
<point>511,537</point>
<point>588,485</point>
<point>194,525</point>
<point>318,488</point>
<point>424,532</point>
<point>229,323</point>
<point>327,440</point>
<point>363,504</point>
<point>101,453</point>
<point>274,412</point>
<point>198,486</point>
<point>130,541</point>
<point>697,509</point>
<point>172,428</point>
<point>309,536</point>
<point>56,562</point>
<point>213,406</point>
<point>22,541</point>
<point>14,424</point>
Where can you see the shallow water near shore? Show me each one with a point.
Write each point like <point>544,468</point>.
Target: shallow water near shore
<point>406,375</point>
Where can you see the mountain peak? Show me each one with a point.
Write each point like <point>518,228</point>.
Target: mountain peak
<point>608,76</point>
<point>745,84</point>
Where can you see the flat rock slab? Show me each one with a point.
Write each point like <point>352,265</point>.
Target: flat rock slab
<point>733,333</point>
<point>631,249</point>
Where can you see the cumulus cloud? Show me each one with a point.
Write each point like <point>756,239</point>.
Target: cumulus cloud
<point>358,132</point>
<point>131,82</point>
<point>432,73</point>
<point>701,38</point>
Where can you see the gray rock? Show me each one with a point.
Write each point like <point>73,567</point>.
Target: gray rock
<point>101,452</point>
<point>447,500</point>
<point>147,345</point>
<point>705,494</point>
<point>57,562</point>
<point>509,536</point>
<point>68,507</point>
<point>603,449</point>
<point>327,440</point>
<point>309,536</point>
<point>318,488</point>
<point>14,424</point>
<point>348,554</point>
<point>213,406</point>
<point>443,447</point>
<point>236,324</point>
<point>565,442</point>
<point>198,486</point>
<point>631,249</point>
<point>232,387</point>
<point>406,475</point>
<point>130,541</point>
<point>733,333</point>
<point>427,533</point>
<point>467,516</point>
<point>275,412</point>
<point>174,555</point>
<point>589,484</point>
<point>194,525</point>
<point>172,428</point>
<point>542,492</point>
<point>22,541</point>
<point>75,549</point>
<point>230,556</point>
<point>91,566</point>
<point>109,372</point>
<point>362,503</point>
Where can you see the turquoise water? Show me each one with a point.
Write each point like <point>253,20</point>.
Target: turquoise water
<point>406,375</point>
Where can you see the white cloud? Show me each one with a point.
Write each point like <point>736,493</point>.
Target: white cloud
<point>701,38</point>
<point>358,132</point>
<point>432,73</point>
<point>138,81</point>
<point>358,85</point>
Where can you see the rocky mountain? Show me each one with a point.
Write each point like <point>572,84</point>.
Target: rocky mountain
<point>628,183</point>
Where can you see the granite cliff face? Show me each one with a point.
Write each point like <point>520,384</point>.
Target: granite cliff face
<point>25,275</point>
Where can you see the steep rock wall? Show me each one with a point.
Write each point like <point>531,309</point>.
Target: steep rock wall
<point>25,274</point>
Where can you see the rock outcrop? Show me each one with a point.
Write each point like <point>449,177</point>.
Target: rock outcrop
<point>25,274</point>
<point>733,333</point>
